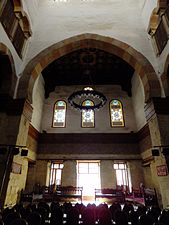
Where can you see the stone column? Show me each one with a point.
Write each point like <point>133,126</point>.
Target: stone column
<point>157,115</point>
<point>69,173</point>
<point>16,114</point>
<point>107,174</point>
<point>17,181</point>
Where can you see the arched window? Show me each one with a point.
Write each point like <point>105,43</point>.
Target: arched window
<point>59,117</point>
<point>116,113</point>
<point>88,115</point>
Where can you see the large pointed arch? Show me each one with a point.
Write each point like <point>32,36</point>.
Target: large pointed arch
<point>10,78</point>
<point>141,65</point>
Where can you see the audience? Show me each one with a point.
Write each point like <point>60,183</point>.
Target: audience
<point>74,214</point>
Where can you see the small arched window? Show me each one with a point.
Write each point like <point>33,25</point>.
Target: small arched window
<point>59,117</point>
<point>88,115</point>
<point>116,113</point>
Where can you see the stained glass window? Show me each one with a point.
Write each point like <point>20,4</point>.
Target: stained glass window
<point>87,115</point>
<point>59,117</point>
<point>116,113</point>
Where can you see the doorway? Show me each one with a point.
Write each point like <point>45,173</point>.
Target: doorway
<point>88,177</point>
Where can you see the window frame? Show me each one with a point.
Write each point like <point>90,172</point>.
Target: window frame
<point>54,108</point>
<point>125,174</point>
<point>93,116</point>
<point>53,172</point>
<point>123,122</point>
<point>89,173</point>
<point>88,163</point>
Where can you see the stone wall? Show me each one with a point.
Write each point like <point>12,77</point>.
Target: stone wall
<point>157,117</point>
<point>16,182</point>
<point>18,135</point>
<point>102,117</point>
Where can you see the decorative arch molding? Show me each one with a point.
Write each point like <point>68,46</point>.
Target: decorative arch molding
<point>12,78</point>
<point>141,65</point>
<point>165,77</point>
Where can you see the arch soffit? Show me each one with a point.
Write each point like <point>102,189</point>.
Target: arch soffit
<point>4,50</point>
<point>141,65</point>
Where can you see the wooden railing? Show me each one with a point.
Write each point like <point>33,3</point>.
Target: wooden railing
<point>110,193</point>
<point>68,192</point>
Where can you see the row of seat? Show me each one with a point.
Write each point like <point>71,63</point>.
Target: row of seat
<point>68,214</point>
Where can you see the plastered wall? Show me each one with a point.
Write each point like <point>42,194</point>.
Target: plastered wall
<point>102,117</point>
<point>136,173</point>
<point>37,103</point>
<point>107,174</point>
<point>138,100</point>
<point>107,18</point>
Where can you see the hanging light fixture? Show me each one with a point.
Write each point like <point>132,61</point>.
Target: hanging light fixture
<point>76,99</point>
<point>87,59</point>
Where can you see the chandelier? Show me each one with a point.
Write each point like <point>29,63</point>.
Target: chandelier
<point>77,98</point>
<point>87,94</point>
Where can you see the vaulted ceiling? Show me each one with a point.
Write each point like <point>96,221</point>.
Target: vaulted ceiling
<point>88,66</point>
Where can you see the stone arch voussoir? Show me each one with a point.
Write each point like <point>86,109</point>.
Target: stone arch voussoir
<point>141,65</point>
